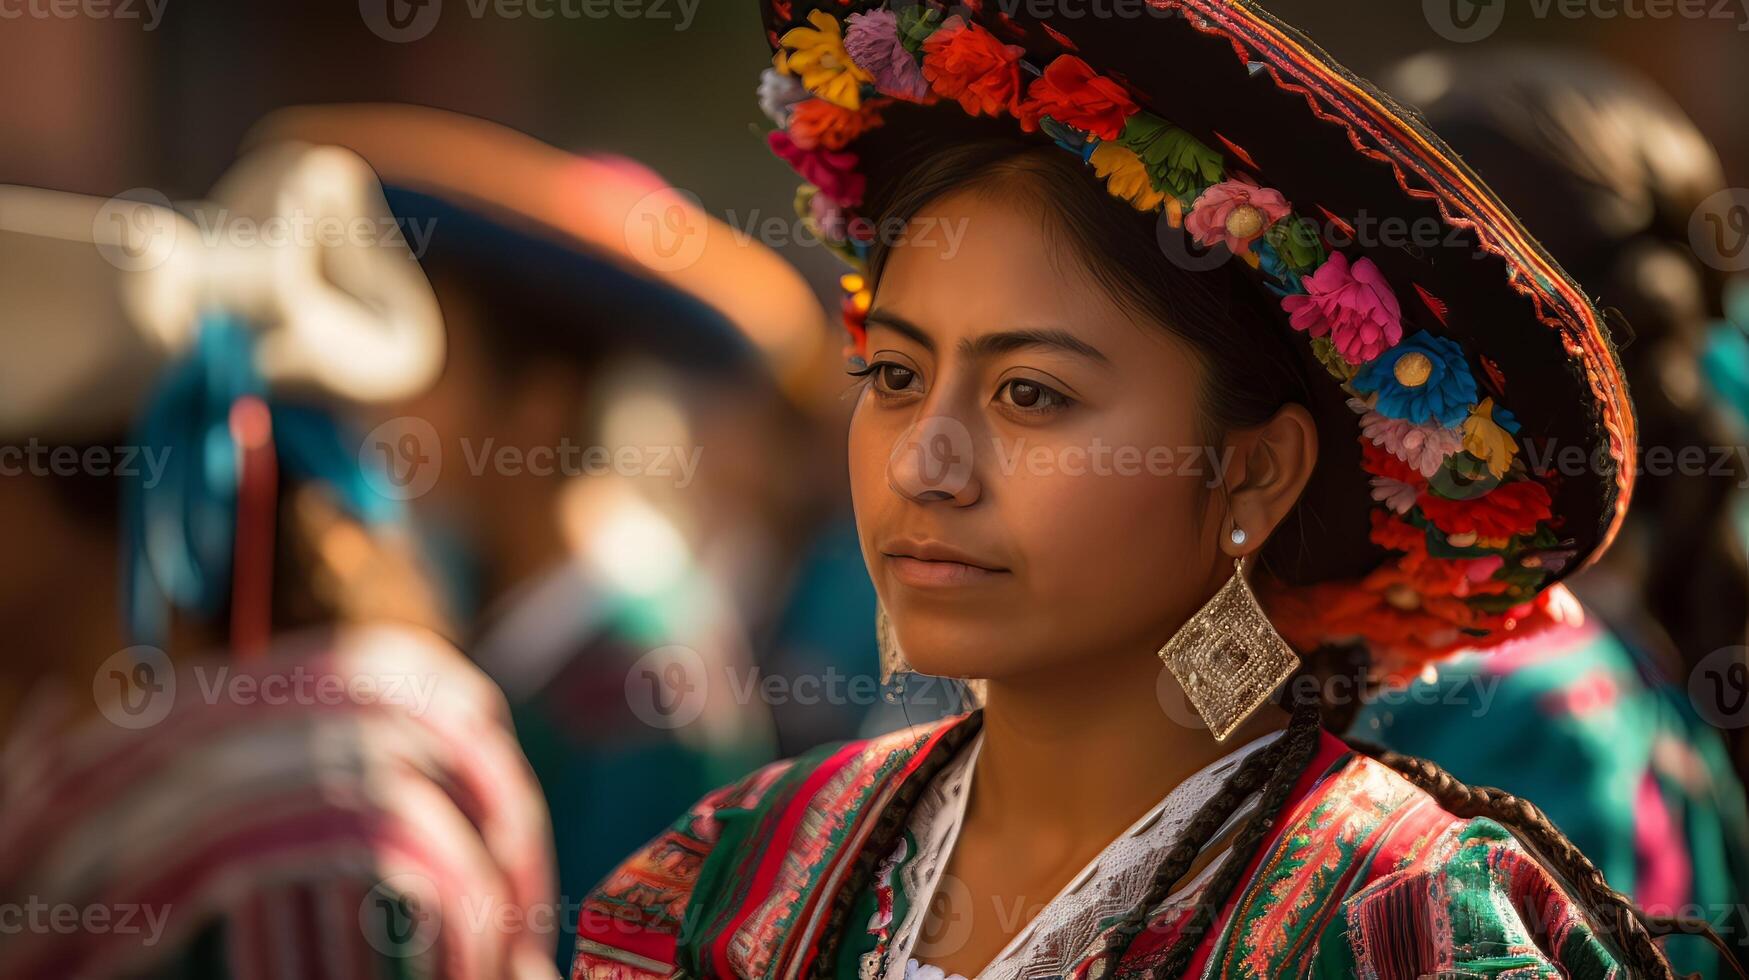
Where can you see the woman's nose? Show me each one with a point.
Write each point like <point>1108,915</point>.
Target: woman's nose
<point>934,460</point>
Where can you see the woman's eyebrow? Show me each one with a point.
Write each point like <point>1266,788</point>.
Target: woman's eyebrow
<point>900,325</point>
<point>1006,341</point>
<point>991,344</point>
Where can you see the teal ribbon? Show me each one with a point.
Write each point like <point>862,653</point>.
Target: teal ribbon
<point>180,531</point>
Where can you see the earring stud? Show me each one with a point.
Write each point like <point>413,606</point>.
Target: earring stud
<point>1238,535</point>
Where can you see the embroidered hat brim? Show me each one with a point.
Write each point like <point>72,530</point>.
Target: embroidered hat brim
<point>1490,411</point>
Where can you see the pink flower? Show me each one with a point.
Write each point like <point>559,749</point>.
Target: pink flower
<point>1395,494</point>
<point>872,40</point>
<point>832,171</point>
<point>1236,212</point>
<point>1424,447</point>
<point>829,218</point>
<point>1355,307</point>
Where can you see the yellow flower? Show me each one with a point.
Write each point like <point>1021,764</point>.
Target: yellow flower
<point>1126,175</point>
<point>1487,441</point>
<point>816,55</point>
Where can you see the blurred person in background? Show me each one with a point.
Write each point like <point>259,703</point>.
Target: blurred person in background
<point>616,462</point>
<point>1610,173</point>
<point>270,763</point>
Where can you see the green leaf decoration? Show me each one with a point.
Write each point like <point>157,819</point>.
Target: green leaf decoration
<point>1296,241</point>
<point>915,26</point>
<point>1324,349</point>
<point>1177,162</point>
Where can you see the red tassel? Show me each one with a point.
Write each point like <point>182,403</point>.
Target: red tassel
<point>1433,302</point>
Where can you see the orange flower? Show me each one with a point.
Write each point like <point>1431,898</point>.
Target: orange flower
<point>819,124</point>
<point>1073,94</point>
<point>967,63</point>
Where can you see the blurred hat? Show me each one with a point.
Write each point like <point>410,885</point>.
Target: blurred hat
<point>295,242</point>
<point>589,233</point>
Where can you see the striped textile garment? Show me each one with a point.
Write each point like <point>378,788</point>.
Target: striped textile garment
<point>352,805</point>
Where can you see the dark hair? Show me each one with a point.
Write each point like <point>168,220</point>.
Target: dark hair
<point>1253,366</point>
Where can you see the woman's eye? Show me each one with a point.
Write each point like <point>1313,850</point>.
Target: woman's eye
<point>1030,396</point>
<point>892,377</point>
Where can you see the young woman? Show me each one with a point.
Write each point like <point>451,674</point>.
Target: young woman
<point>1156,317</point>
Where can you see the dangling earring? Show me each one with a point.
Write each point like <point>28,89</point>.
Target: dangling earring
<point>1228,657</point>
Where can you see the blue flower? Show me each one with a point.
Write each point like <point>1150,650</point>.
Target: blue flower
<point>1423,380</point>
<point>1270,262</point>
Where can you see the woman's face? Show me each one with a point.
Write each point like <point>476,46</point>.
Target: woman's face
<point>1031,481</point>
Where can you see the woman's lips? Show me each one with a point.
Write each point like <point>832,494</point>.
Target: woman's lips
<point>927,574</point>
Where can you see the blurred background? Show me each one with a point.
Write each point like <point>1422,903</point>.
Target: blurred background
<point>572,595</point>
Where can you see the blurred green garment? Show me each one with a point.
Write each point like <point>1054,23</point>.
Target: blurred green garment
<point>1617,757</point>
<point>630,704</point>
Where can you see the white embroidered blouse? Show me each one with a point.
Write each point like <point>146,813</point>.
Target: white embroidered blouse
<point>1063,932</point>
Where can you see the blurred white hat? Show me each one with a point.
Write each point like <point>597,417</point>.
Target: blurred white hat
<point>295,240</point>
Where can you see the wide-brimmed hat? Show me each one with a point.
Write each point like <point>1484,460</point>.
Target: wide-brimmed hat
<point>576,233</point>
<point>1470,363</point>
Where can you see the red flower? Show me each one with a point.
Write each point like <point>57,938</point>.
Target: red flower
<point>834,173</point>
<point>966,62</point>
<point>1073,94</point>
<point>818,124</point>
<point>1378,461</point>
<point>1508,509</point>
<point>1392,532</point>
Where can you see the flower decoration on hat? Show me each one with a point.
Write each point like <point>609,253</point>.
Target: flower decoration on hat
<point>968,64</point>
<point>1423,381</point>
<point>1352,305</point>
<point>817,56</point>
<point>1459,570</point>
<point>1235,213</point>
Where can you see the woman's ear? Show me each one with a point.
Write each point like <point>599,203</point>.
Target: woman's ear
<point>1267,468</point>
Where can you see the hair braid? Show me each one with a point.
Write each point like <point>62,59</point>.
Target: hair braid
<point>1274,769</point>
<point>1632,928</point>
